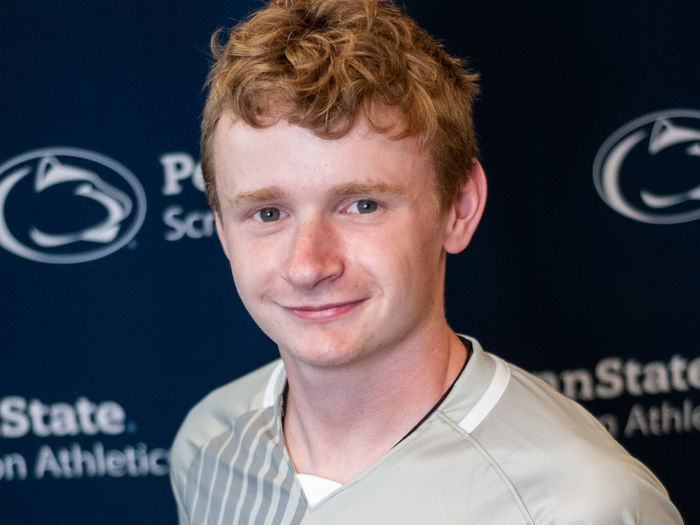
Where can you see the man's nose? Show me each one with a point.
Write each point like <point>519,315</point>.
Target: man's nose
<point>314,255</point>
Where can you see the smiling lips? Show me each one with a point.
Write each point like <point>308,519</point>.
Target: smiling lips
<point>325,312</point>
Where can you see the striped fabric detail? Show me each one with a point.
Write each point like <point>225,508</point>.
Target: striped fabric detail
<point>272,391</point>
<point>244,476</point>
<point>491,396</point>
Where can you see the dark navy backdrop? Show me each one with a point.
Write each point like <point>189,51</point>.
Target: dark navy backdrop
<point>101,359</point>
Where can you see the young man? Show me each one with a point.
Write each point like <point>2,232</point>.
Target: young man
<point>340,160</point>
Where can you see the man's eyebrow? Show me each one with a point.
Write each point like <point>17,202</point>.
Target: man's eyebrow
<point>368,188</point>
<point>271,193</point>
<point>260,196</point>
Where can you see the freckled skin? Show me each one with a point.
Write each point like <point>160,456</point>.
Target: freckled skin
<point>337,249</point>
<point>325,281</point>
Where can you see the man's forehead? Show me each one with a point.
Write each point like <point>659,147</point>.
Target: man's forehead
<point>250,162</point>
<point>386,121</point>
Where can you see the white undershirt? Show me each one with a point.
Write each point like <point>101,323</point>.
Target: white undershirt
<point>317,488</point>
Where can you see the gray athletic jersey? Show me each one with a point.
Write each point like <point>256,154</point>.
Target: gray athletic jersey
<point>502,448</point>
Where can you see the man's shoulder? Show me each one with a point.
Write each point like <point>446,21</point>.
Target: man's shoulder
<point>217,412</point>
<point>563,462</point>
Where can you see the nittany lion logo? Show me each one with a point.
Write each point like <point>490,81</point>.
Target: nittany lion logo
<point>67,205</point>
<point>649,169</point>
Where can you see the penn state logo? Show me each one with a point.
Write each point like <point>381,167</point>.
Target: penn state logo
<point>649,169</point>
<point>68,205</point>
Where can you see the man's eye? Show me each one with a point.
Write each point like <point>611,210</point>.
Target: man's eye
<point>268,215</point>
<point>363,206</point>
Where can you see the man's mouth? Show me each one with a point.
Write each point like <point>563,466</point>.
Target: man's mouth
<point>323,312</point>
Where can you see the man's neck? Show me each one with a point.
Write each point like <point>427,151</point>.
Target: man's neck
<point>340,420</point>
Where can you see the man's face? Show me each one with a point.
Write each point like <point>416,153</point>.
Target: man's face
<point>336,246</point>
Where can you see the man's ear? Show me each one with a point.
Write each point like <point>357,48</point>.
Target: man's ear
<point>466,210</point>
<point>220,232</point>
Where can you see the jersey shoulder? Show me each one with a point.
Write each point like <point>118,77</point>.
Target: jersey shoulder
<point>216,414</point>
<point>565,464</point>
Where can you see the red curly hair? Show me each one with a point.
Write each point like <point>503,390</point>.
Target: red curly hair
<point>322,64</point>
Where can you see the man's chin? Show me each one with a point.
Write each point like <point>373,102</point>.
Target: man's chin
<point>323,354</point>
